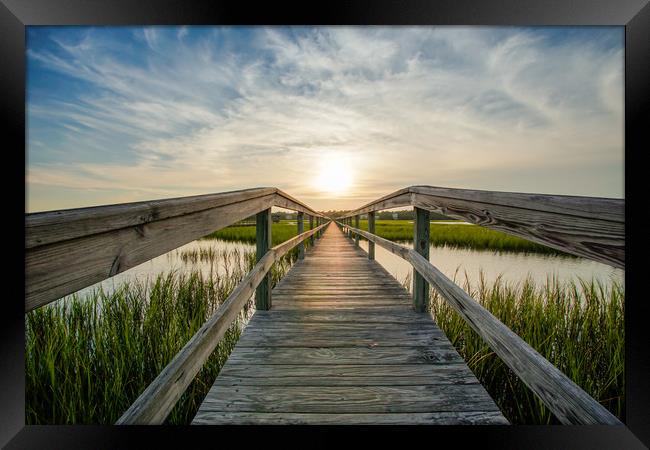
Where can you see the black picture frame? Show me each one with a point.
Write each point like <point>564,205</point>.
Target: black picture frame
<point>634,15</point>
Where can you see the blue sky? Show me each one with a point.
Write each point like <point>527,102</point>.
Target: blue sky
<point>119,114</point>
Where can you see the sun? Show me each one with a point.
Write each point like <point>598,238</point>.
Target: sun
<point>335,174</point>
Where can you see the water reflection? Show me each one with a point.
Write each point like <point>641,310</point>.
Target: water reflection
<point>512,267</point>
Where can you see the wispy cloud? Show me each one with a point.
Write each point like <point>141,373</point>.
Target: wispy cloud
<point>178,111</point>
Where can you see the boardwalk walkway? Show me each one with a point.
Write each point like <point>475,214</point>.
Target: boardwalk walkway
<point>342,345</point>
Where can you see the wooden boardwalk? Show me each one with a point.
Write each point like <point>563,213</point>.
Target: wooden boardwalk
<point>343,345</point>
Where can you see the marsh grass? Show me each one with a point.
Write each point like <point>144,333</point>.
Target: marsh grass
<point>88,358</point>
<point>578,327</point>
<point>460,236</point>
<point>280,232</point>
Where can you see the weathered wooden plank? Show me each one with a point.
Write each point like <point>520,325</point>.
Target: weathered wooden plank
<point>315,339</point>
<point>454,377</point>
<point>55,270</point>
<point>587,236</point>
<point>610,209</point>
<point>311,225</point>
<point>283,328</point>
<point>360,315</point>
<point>284,200</point>
<point>440,352</point>
<point>349,399</point>
<point>356,225</point>
<point>430,418</point>
<point>395,199</point>
<point>371,229</point>
<point>263,245</point>
<point>55,226</point>
<point>301,246</point>
<point>421,246</point>
<point>359,337</point>
<point>291,306</point>
<point>591,227</point>
<point>279,372</point>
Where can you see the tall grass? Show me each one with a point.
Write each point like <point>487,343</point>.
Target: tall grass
<point>578,327</point>
<point>459,236</point>
<point>87,359</point>
<point>280,232</point>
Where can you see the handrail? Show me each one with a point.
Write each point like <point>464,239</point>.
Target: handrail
<point>590,227</point>
<point>154,404</point>
<point>68,250</point>
<point>569,403</point>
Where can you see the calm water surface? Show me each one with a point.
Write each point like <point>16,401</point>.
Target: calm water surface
<point>172,262</point>
<point>512,267</point>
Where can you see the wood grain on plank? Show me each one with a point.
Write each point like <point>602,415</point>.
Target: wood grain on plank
<point>569,403</point>
<point>343,340</point>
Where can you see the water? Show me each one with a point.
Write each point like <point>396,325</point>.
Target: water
<point>172,261</point>
<point>512,267</point>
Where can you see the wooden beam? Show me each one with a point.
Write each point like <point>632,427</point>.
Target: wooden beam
<point>356,225</point>
<point>301,246</point>
<point>155,403</point>
<point>63,266</point>
<point>590,227</point>
<point>421,246</point>
<point>311,227</point>
<point>371,229</point>
<point>49,227</point>
<point>570,404</point>
<point>263,244</point>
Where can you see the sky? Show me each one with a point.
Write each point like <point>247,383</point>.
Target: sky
<point>334,116</point>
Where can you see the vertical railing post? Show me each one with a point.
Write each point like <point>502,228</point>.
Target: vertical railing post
<point>311,227</point>
<point>301,246</point>
<point>420,245</point>
<point>356,225</point>
<point>263,238</point>
<point>371,229</point>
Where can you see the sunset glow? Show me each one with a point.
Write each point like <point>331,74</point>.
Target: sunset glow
<point>335,176</point>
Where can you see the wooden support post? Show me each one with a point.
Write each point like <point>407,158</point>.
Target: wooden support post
<point>356,225</point>
<point>371,229</point>
<point>311,227</point>
<point>421,246</point>
<point>301,246</point>
<point>263,230</point>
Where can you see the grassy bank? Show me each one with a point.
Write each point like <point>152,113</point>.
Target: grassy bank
<point>87,359</point>
<point>280,232</point>
<point>459,236</point>
<point>579,329</point>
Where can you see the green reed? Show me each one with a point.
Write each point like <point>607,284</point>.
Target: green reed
<point>459,236</point>
<point>88,358</point>
<point>577,326</point>
<point>280,232</point>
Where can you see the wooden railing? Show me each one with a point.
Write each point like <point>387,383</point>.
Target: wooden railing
<point>584,226</point>
<point>70,249</point>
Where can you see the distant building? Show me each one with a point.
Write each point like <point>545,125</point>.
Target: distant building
<point>395,216</point>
